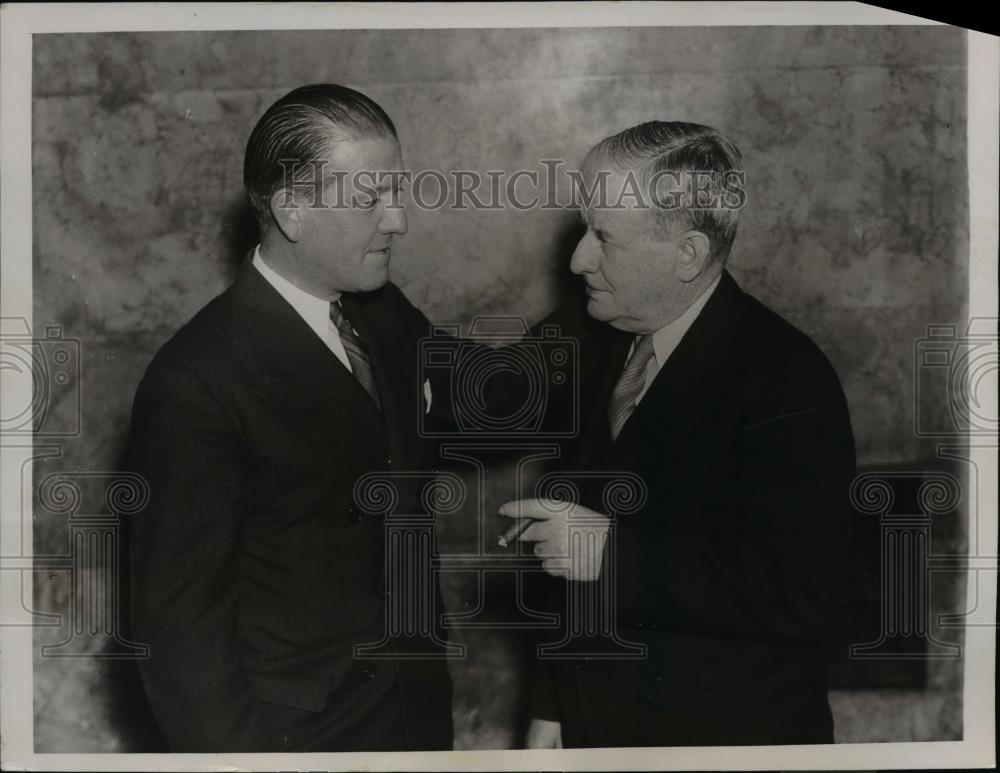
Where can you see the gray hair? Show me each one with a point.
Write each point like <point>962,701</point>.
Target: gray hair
<point>656,149</point>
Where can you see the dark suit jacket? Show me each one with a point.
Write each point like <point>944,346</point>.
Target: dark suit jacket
<point>254,575</point>
<point>727,573</point>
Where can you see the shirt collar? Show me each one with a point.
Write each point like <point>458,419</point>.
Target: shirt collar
<point>666,339</point>
<point>314,310</point>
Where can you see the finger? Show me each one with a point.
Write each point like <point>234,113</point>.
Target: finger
<point>557,567</point>
<point>548,509</point>
<point>551,549</point>
<point>531,530</point>
<point>546,550</point>
<point>537,509</point>
<point>511,509</point>
<point>519,508</point>
<point>541,531</point>
<point>514,531</point>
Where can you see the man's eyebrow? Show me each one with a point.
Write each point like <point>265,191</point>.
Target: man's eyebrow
<point>600,233</point>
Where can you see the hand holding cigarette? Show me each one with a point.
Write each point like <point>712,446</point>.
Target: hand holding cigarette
<point>547,522</point>
<point>514,531</point>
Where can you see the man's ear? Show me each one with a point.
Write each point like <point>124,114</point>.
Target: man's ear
<point>695,249</point>
<point>287,214</point>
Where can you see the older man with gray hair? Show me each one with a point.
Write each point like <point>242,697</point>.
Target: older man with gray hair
<point>737,425</point>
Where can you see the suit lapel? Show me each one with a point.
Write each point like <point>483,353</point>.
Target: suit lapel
<point>605,350</point>
<point>691,379</point>
<point>379,330</point>
<point>300,378</point>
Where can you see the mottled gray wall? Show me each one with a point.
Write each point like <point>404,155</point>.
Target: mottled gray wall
<point>856,230</point>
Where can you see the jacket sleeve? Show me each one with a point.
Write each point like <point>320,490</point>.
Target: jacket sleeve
<point>185,565</point>
<point>760,560</point>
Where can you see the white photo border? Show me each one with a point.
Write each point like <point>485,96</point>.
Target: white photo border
<point>977,749</point>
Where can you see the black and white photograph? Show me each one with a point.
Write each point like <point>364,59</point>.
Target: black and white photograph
<point>497,386</point>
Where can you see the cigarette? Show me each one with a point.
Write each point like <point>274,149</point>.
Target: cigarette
<point>515,531</point>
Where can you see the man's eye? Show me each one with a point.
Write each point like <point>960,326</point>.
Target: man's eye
<point>367,202</point>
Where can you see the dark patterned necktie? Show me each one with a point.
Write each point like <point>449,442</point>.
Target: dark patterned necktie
<point>629,385</point>
<point>361,363</point>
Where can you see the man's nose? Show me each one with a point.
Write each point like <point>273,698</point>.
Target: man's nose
<point>394,220</point>
<point>584,260</point>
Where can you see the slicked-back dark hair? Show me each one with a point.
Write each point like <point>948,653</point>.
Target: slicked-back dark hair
<point>300,128</point>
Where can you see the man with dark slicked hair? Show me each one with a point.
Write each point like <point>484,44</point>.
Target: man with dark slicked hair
<point>721,582</point>
<point>255,576</point>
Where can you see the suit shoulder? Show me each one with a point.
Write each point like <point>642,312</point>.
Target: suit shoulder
<point>391,293</point>
<point>395,308</point>
<point>765,333</point>
<point>783,374</point>
<point>395,297</point>
<point>781,354</point>
<point>202,346</point>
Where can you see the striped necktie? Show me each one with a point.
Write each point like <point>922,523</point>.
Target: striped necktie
<point>630,384</point>
<point>361,363</point>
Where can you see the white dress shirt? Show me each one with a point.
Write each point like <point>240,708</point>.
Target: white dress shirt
<point>666,339</point>
<point>315,311</point>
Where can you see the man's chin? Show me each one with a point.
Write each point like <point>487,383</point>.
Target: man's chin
<point>373,282</point>
<point>610,317</point>
<point>598,310</point>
